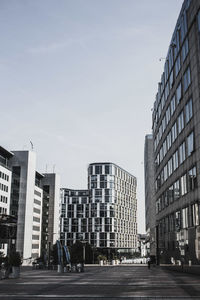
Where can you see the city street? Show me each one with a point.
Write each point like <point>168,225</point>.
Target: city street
<point>111,282</point>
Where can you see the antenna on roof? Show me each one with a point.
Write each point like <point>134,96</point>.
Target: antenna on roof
<point>54,168</point>
<point>31,145</point>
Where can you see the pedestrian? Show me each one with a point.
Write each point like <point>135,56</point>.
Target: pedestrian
<point>149,262</point>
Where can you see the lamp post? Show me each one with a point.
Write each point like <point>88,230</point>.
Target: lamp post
<point>84,244</point>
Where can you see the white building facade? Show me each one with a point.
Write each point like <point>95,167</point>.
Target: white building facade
<point>105,214</point>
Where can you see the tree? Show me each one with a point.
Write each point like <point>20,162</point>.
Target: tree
<point>76,252</point>
<point>2,257</point>
<point>15,259</point>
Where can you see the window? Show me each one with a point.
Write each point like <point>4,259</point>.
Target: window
<point>108,169</point>
<point>192,178</point>
<point>164,148</point>
<point>169,140</point>
<point>173,105</point>
<point>163,124</point>
<point>177,42</point>
<point>185,217</point>
<point>188,111</point>
<point>165,172</point>
<point>176,190</point>
<point>170,167</point>
<point>174,132</point>
<point>182,152</point>
<point>171,80</point>
<point>171,194</point>
<point>195,214</point>
<point>183,184</point>
<point>175,160</point>
<point>185,50</point>
<point>98,169</point>
<point>177,65</point>
<point>186,79</point>
<point>168,115</point>
<point>183,26</point>
<point>190,143</point>
<point>180,122</point>
<point>161,153</point>
<point>178,93</point>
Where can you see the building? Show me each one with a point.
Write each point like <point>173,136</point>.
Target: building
<point>105,214</point>
<point>26,203</point>
<point>143,245</point>
<point>150,211</point>
<point>50,212</point>
<point>176,130</point>
<point>5,188</point>
<point>35,202</point>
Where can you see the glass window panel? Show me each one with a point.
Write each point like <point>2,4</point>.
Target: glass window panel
<point>190,143</point>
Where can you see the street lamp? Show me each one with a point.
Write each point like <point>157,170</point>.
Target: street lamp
<point>84,244</point>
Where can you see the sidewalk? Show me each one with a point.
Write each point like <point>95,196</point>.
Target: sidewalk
<point>194,269</point>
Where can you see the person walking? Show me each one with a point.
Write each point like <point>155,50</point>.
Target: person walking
<point>149,262</point>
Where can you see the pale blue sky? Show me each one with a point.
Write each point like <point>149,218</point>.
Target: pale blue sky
<point>78,78</point>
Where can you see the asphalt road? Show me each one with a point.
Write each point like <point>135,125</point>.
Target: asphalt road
<point>109,282</point>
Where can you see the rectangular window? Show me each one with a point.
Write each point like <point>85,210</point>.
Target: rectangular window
<point>182,153</point>
<point>185,217</point>
<point>171,194</point>
<point>180,122</point>
<point>169,140</point>
<point>36,210</point>
<point>98,169</point>
<point>190,143</point>
<point>163,124</point>
<point>168,115</point>
<point>176,49</point>
<point>192,178</point>
<point>174,132</point>
<point>170,167</point>
<point>178,93</point>
<point>195,214</point>
<point>36,219</point>
<point>165,172</point>
<point>164,148</point>
<point>184,185</point>
<point>183,25</point>
<point>35,237</point>
<point>188,111</point>
<point>185,50</point>
<point>175,160</point>
<point>171,80</point>
<point>177,65</point>
<point>37,193</point>
<point>37,202</point>
<point>186,79</point>
<point>176,190</point>
<point>173,105</point>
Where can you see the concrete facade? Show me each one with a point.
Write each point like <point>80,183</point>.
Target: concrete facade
<point>150,211</point>
<point>176,131</point>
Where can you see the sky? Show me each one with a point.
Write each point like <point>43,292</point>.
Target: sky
<point>78,79</point>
